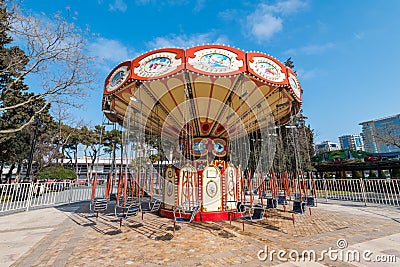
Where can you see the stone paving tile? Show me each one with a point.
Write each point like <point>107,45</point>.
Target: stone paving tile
<point>85,240</point>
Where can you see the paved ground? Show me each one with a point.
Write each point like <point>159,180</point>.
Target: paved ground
<point>72,236</point>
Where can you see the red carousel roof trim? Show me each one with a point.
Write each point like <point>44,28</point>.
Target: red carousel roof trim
<point>158,64</point>
<point>294,84</point>
<point>266,68</point>
<point>215,60</point>
<point>117,77</point>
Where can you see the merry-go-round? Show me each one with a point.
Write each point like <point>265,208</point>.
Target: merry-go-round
<point>199,127</point>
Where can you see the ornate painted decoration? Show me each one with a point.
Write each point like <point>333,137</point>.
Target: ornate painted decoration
<point>211,188</point>
<point>187,185</point>
<point>157,64</point>
<point>170,188</point>
<point>294,84</point>
<point>199,147</point>
<point>231,187</point>
<point>268,69</point>
<point>219,147</point>
<point>215,60</point>
<point>118,77</point>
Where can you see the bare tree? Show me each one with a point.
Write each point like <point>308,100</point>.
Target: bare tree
<point>58,64</point>
<point>67,133</point>
<point>91,139</point>
<point>388,134</point>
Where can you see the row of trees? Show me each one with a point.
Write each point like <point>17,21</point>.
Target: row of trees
<point>50,53</point>
<point>55,143</point>
<point>295,144</point>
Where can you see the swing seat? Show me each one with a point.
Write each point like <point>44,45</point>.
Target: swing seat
<point>253,214</point>
<point>272,203</point>
<point>123,212</point>
<point>189,211</point>
<point>282,200</point>
<point>310,201</point>
<point>152,206</point>
<point>239,209</point>
<point>98,204</point>
<point>257,214</point>
<point>299,206</point>
<point>192,214</point>
<point>128,201</point>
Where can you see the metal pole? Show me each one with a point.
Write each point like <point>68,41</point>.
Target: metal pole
<point>325,189</point>
<point>29,170</point>
<point>363,191</point>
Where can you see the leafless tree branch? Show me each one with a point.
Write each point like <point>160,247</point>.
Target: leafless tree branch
<point>58,62</point>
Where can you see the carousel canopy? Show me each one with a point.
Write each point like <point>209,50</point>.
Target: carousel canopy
<point>211,90</point>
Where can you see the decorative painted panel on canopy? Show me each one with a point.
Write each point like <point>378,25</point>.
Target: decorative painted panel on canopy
<point>210,90</point>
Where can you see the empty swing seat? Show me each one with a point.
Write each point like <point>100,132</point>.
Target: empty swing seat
<point>98,204</point>
<point>299,206</point>
<point>240,209</point>
<point>152,206</point>
<point>310,201</point>
<point>282,200</point>
<point>130,209</point>
<point>272,203</point>
<point>255,213</point>
<point>188,211</point>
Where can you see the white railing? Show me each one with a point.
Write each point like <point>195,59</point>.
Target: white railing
<point>373,191</point>
<point>377,191</point>
<point>23,196</point>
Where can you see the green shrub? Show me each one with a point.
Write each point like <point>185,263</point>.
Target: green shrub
<point>396,173</point>
<point>372,174</point>
<point>57,172</point>
<point>356,174</point>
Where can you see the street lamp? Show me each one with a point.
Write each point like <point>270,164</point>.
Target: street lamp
<point>29,170</point>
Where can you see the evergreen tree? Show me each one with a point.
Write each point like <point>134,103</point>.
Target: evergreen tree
<point>12,91</point>
<point>51,50</point>
<point>295,143</point>
<point>15,146</point>
<point>289,63</point>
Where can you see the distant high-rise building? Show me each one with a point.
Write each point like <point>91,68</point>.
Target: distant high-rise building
<point>326,146</point>
<point>352,141</point>
<point>375,131</point>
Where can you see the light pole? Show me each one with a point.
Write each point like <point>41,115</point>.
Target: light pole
<point>29,170</point>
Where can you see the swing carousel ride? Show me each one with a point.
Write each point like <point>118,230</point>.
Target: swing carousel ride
<point>199,124</point>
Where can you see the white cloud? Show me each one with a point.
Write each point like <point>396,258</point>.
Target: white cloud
<point>118,5</point>
<point>307,74</point>
<point>310,49</point>
<point>359,35</point>
<point>109,51</point>
<point>288,7</point>
<point>267,20</point>
<point>263,27</point>
<point>199,5</point>
<point>143,2</point>
<point>229,14</point>
<point>168,2</point>
<point>316,49</point>
<point>185,41</point>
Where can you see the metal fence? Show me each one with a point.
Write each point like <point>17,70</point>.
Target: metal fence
<point>376,191</point>
<point>367,191</point>
<point>23,196</point>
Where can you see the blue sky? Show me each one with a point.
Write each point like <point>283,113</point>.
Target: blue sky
<point>346,53</point>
